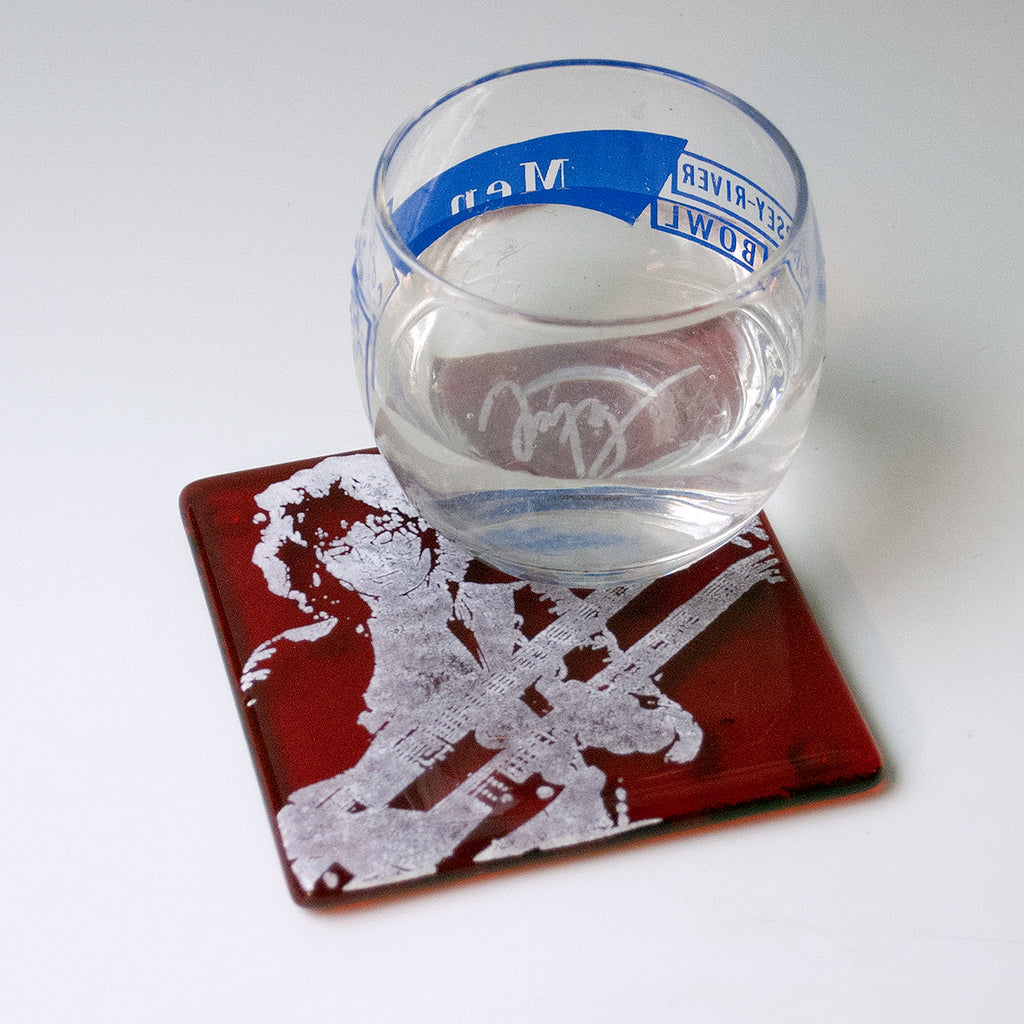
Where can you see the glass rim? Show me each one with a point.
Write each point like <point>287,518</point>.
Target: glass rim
<point>727,298</point>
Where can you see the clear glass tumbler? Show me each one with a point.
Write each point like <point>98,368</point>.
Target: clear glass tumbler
<point>588,311</point>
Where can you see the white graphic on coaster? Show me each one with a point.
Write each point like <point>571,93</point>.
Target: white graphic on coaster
<point>478,726</point>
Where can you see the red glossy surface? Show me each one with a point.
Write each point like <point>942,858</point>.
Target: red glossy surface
<point>775,720</point>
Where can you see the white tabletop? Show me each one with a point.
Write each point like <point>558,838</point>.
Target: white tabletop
<point>179,190</point>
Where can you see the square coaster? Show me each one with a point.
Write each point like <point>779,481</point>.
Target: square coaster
<point>414,714</point>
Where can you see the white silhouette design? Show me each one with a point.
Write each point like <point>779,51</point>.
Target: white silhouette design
<point>455,668</point>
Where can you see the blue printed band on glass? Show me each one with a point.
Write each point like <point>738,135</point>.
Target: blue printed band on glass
<point>620,173</point>
<point>615,172</point>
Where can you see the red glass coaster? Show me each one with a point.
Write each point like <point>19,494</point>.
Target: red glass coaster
<point>414,714</point>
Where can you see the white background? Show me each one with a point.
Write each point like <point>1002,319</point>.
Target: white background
<point>179,189</point>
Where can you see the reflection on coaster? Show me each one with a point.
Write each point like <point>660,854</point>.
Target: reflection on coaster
<point>414,714</point>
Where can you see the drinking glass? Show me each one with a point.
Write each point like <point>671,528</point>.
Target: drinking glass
<point>588,309</point>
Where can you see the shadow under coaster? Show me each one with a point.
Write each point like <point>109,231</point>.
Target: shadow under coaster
<point>416,715</point>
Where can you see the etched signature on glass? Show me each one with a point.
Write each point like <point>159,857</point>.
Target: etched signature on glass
<point>486,695</point>
<point>567,418</point>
